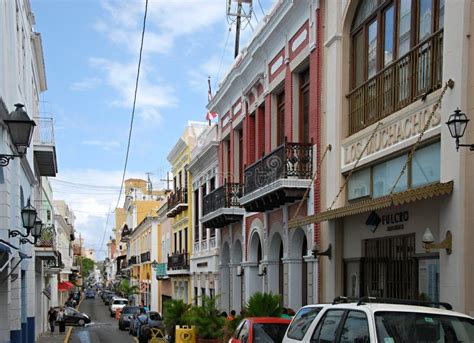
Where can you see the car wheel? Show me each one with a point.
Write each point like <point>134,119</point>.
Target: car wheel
<point>120,327</point>
<point>111,314</point>
<point>81,322</point>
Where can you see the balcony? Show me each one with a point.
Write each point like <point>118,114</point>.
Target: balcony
<point>178,264</point>
<point>177,202</point>
<point>145,257</point>
<point>161,271</point>
<point>125,234</point>
<point>45,248</point>
<point>280,177</point>
<point>44,146</point>
<point>406,80</point>
<point>132,260</point>
<point>222,207</point>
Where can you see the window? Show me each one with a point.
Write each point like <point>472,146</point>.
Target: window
<point>185,240</point>
<point>359,184</point>
<point>426,165</point>
<point>326,330</point>
<point>404,27</point>
<point>280,118</point>
<point>388,52</point>
<point>302,321</point>
<point>304,107</point>
<point>356,328</point>
<point>372,52</point>
<point>385,174</point>
<point>425,19</point>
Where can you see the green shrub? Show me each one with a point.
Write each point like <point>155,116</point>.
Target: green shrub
<point>206,318</point>
<point>263,305</point>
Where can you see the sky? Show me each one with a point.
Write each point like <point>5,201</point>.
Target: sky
<point>91,50</point>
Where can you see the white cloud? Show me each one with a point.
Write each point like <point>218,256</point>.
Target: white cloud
<point>104,145</point>
<point>86,84</point>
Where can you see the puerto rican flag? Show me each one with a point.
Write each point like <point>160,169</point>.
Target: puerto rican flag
<point>211,115</point>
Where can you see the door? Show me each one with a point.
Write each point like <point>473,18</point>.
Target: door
<point>389,267</point>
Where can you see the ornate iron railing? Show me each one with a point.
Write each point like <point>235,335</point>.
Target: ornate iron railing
<point>212,242</point>
<point>223,197</point>
<point>133,260</point>
<point>47,238</point>
<point>178,197</point>
<point>406,80</point>
<point>289,160</point>
<point>197,247</point>
<point>178,261</point>
<point>145,257</point>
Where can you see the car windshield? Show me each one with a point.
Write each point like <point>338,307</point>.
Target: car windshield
<point>154,316</point>
<point>302,321</point>
<point>120,302</point>
<point>269,332</point>
<point>401,327</point>
<point>128,310</point>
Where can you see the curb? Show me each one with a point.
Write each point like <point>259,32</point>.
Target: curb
<point>69,330</point>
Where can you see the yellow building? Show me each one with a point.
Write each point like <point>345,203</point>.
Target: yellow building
<point>161,284</point>
<point>179,208</point>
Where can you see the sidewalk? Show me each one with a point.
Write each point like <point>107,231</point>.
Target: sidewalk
<point>55,338</point>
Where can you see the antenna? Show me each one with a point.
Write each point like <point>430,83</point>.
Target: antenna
<point>149,184</point>
<point>236,16</point>
<point>168,180</point>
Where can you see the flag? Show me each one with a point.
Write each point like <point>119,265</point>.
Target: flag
<point>210,115</point>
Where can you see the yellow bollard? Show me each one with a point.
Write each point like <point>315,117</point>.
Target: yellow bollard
<point>185,334</point>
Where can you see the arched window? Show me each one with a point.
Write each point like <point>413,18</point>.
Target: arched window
<point>395,56</point>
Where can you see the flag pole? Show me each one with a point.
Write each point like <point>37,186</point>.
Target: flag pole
<point>209,94</point>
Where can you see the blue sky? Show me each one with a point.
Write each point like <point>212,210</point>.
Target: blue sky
<point>91,53</point>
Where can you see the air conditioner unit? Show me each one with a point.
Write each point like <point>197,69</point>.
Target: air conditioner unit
<point>239,271</point>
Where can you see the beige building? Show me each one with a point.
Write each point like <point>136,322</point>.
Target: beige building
<point>387,64</point>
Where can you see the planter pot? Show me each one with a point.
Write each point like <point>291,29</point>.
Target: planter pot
<point>208,340</point>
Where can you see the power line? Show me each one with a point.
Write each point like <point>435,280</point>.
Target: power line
<point>261,8</point>
<point>134,104</point>
<point>64,182</point>
<point>222,57</point>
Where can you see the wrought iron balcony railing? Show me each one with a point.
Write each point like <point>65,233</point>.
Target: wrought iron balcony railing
<point>223,197</point>
<point>145,257</point>
<point>180,196</point>
<point>133,260</point>
<point>47,238</point>
<point>406,80</point>
<point>289,160</point>
<point>178,261</point>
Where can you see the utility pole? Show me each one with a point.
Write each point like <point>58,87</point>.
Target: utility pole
<point>237,29</point>
<point>168,180</point>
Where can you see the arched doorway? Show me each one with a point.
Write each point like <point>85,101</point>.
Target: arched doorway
<point>298,271</point>
<point>225,278</point>
<point>255,256</point>
<point>275,268</point>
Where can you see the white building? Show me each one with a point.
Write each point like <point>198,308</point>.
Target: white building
<point>22,81</point>
<point>205,253</point>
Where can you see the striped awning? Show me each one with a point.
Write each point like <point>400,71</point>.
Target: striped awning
<point>396,199</point>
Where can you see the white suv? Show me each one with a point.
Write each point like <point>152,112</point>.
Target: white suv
<point>376,320</point>
<point>117,303</point>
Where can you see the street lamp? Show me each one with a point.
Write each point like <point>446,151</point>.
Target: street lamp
<point>154,264</point>
<point>21,129</point>
<point>457,124</point>
<point>30,222</point>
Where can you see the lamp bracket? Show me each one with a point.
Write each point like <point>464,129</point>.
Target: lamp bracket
<point>447,244</point>
<point>327,252</point>
<point>5,159</point>
<point>26,240</point>
<point>15,233</point>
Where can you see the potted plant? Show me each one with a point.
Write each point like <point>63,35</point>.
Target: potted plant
<point>263,305</point>
<point>207,320</point>
<point>174,314</point>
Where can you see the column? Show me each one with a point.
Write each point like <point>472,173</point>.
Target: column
<point>15,304</point>
<point>236,289</point>
<point>200,214</point>
<point>31,291</point>
<point>293,267</point>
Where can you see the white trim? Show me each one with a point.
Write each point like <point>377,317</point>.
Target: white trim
<point>278,184</point>
<point>299,40</point>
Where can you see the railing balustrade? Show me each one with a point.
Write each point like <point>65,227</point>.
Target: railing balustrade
<point>406,80</point>
<point>223,197</point>
<point>47,238</point>
<point>145,257</point>
<point>178,261</point>
<point>180,196</point>
<point>289,160</point>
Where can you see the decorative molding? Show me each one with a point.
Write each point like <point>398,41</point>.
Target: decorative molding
<point>299,40</point>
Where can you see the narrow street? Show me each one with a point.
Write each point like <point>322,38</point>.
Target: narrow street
<point>102,328</point>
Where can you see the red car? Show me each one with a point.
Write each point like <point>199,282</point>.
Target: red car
<point>260,330</point>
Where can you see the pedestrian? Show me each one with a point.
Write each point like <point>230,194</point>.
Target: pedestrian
<point>231,316</point>
<point>61,320</point>
<point>52,315</point>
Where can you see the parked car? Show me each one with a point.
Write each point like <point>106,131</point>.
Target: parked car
<point>74,317</point>
<point>153,320</point>
<point>260,329</point>
<point>126,316</point>
<point>117,303</point>
<point>301,323</point>
<point>386,320</point>
<point>90,294</point>
<point>108,298</point>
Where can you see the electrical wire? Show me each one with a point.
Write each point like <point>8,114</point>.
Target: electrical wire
<point>222,57</point>
<point>134,104</point>
<point>84,185</point>
<point>261,8</point>
<point>101,246</point>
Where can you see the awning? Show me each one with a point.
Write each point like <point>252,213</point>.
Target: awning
<point>5,248</point>
<point>396,199</point>
<point>65,286</point>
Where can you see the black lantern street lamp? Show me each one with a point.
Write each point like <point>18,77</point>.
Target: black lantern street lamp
<point>21,129</point>
<point>30,222</point>
<point>457,124</point>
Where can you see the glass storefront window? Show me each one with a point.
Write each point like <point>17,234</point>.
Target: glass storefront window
<point>385,175</point>
<point>426,165</point>
<point>359,184</point>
